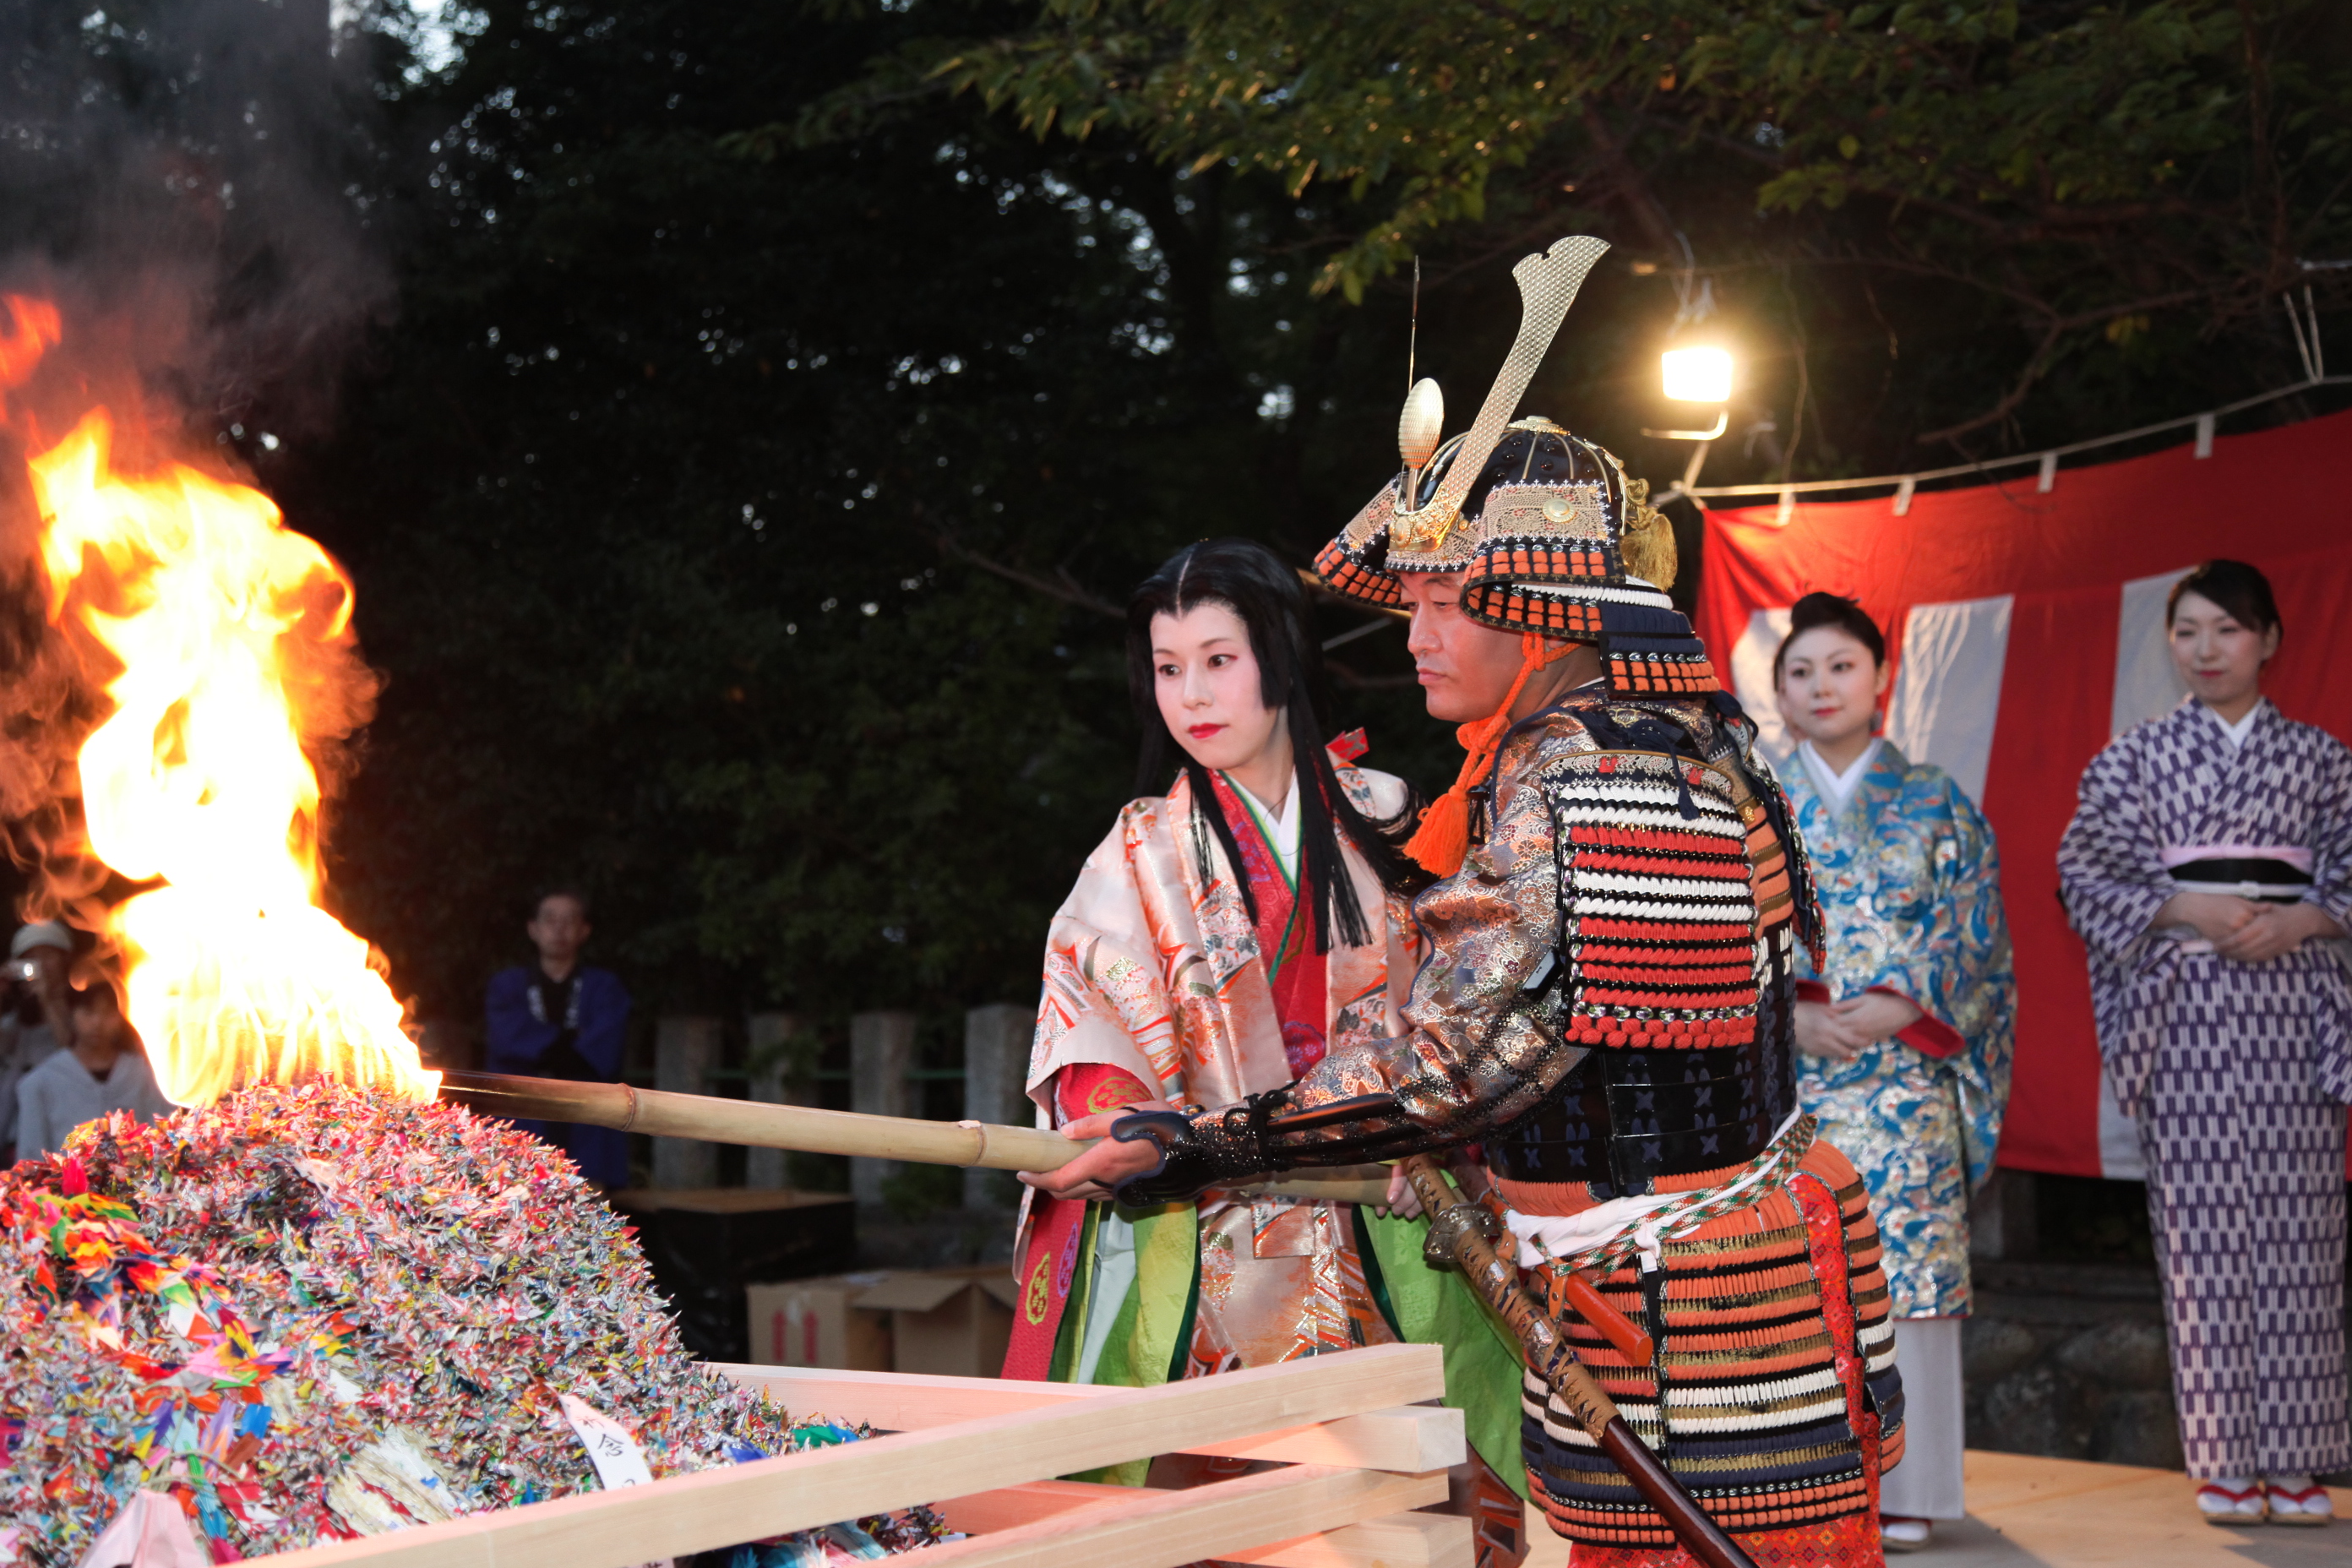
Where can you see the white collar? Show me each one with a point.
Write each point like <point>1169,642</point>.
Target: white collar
<point>1837,788</point>
<point>2241,732</point>
<point>1280,825</point>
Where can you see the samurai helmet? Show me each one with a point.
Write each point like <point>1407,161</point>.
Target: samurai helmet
<point>1551,534</point>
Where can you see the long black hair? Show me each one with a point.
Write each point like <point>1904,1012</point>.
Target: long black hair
<point>1249,580</point>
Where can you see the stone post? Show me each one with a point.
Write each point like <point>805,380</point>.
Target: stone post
<point>881,1083</point>
<point>686,1049</point>
<point>995,1066</point>
<point>780,1075</point>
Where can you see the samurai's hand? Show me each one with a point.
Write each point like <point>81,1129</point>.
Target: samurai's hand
<point>1214,1148</point>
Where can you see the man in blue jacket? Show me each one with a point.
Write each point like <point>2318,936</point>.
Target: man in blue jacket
<point>559,1018</point>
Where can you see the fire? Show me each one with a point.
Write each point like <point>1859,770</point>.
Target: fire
<point>33,325</point>
<point>231,631</point>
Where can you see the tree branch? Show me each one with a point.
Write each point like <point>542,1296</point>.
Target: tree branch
<point>2059,327</point>
<point>1061,585</point>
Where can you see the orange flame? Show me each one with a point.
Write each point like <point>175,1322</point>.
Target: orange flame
<point>34,326</point>
<point>233,636</point>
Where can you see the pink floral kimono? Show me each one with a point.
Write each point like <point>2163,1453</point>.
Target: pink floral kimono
<point>1159,985</point>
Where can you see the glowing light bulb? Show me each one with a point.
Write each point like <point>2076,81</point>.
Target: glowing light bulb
<point>1697,374</point>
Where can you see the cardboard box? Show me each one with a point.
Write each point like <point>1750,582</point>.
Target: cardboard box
<point>813,1323</point>
<point>948,1321</point>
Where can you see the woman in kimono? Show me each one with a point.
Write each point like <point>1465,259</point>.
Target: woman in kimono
<point>1239,922</point>
<point>2209,870</point>
<point>1904,1042</point>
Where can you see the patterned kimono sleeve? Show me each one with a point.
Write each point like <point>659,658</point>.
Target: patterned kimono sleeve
<point>2331,832</point>
<point>2110,862</point>
<point>1105,999</point>
<point>1957,968</point>
<point>1481,1044</point>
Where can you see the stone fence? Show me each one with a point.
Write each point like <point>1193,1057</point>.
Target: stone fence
<point>883,1082</point>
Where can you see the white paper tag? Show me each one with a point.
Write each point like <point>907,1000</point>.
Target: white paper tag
<point>611,1448</point>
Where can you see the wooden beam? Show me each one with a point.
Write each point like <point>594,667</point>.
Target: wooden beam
<point>713,1509</point>
<point>1397,1541</point>
<point>984,1513</point>
<point>1409,1439</point>
<point>904,1402</point>
<point>1145,1529</point>
<point>1394,1541</point>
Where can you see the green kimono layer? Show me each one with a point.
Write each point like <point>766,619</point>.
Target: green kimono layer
<point>1131,1319</point>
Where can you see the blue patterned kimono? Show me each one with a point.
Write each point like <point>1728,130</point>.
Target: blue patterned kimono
<point>1910,882</point>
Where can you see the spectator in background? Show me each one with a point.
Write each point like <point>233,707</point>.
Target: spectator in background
<point>1904,1042</point>
<point>558,1018</point>
<point>36,1027</point>
<point>102,1069</point>
<point>2209,870</point>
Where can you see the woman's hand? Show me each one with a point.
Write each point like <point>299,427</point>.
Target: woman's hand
<point>1840,1031</point>
<point>2215,917</point>
<point>1877,1014</point>
<point>1105,1167</point>
<point>2274,931</point>
<point>1401,1201</point>
<point>1820,1032</point>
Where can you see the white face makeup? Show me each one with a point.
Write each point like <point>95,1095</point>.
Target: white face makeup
<point>1206,680</point>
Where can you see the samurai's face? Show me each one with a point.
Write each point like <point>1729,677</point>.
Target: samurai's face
<point>1466,667</point>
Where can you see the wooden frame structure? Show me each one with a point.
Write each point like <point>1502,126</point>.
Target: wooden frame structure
<point>1355,1452</point>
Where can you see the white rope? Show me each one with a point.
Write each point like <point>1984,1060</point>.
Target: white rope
<point>1903,484</point>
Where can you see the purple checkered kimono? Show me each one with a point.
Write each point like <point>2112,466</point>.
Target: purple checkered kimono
<point>2237,1074</point>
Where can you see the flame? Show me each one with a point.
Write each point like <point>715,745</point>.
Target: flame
<point>34,325</point>
<point>233,634</point>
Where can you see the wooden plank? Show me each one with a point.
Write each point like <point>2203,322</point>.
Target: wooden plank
<point>985,1512</point>
<point>1397,1541</point>
<point>1409,1439</point>
<point>904,1402</point>
<point>801,1491</point>
<point>1165,1529</point>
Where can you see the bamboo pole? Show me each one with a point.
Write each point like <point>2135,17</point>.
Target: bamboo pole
<point>761,1124</point>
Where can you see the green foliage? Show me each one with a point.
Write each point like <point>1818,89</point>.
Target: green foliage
<point>2066,163</point>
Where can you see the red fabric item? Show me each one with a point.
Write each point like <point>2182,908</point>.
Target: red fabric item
<point>1350,746</point>
<point>1814,990</point>
<point>1833,1271</point>
<point>1045,1275</point>
<point>1089,1088</point>
<point>2272,498</point>
<point>1285,935</point>
<point>1926,1034</point>
<point>1050,1264</point>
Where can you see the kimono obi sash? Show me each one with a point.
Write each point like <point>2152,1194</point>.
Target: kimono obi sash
<point>2270,873</point>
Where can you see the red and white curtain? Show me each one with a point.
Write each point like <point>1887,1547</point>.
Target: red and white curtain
<point>2027,629</point>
